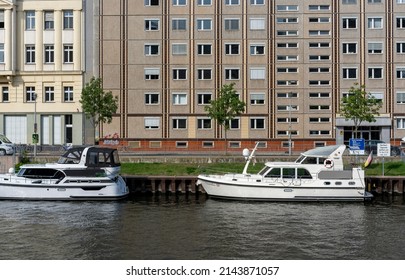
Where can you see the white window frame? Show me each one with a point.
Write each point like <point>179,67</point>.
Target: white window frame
<point>347,72</point>
<point>149,49</point>
<point>257,24</point>
<point>151,73</point>
<point>179,123</point>
<point>204,123</point>
<point>204,24</point>
<point>347,46</point>
<point>375,47</point>
<point>257,98</point>
<point>177,24</point>
<point>257,49</point>
<point>373,71</point>
<point>229,73</point>
<point>152,24</point>
<point>257,73</point>
<point>375,23</point>
<point>179,49</point>
<point>204,98</point>
<point>179,98</point>
<point>201,74</point>
<point>229,22</point>
<point>255,123</point>
<point>151,122</point>
<point>201,49</point>
<point>152,98</point>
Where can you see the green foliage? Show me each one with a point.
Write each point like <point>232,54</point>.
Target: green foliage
<point>360,106</point>
<point>226,106</point>
<point>98,105</point>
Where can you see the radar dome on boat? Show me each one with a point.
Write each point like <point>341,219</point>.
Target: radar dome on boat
<point>246,153</point>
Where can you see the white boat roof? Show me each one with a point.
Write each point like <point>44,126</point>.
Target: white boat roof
<point>324,151</point>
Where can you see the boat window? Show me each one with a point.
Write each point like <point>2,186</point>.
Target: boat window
<point>264,170</point>
<point>299,159</point>
<point>71,156</point>
<point>40,173</point>
<point>289,173</point>
<point>310,160</point>
<point>274,173</point>
<point>302,173</point>
<point>116,157</point>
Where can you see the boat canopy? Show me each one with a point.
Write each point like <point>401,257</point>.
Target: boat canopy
<point>91,157</point>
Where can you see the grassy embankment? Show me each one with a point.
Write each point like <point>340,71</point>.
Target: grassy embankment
<point>181,169</point>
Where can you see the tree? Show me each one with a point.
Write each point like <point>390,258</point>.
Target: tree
<point>359,106</point>
<point>225,107</point>
<point>98,105</point>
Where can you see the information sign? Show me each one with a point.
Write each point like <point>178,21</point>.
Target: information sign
<point>356,146</point>
<point>383,150</point>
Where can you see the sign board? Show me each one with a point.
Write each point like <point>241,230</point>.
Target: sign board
<point>356,146</point>
<point>383,150</point>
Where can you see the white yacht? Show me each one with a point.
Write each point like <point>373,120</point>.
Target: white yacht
<point>317,175</point>
<point>82,173</point>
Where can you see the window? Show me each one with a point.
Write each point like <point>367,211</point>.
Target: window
<point>231,48</point>
<point>319,57</point>
<point>287,95</point>
<point>287,45</point>
<point>257,123</point>
<point>287,70</point>
<point>257,73</point>
<point>287,33</point>
<point>5,95</point>
<point>151,98</point>
<point>257,49</point>
<point>349,23</point>
<point>400,48</point>
<point>30,20</point>
<point>203,49</point>
<point>204,98</point>
<point>400,97</point>
<point>179,2</point>
<point>49,94</point>
<point>231,2</point>
<point>287,108</point>
<point>287,20</point>
<point>48,20</point>
<point>49,54</point>
<point>179,74</point>
<point>319,120</point>
<point>287,57</point>
<point>284,8</point>
<point>151,49</point>
<point>319,82</point>
<point>179,98</point>
<point>68,19</point>
<point>319,45</point>
<point>318,7</point>
<point>179,49</point>
<point>319,19</point>
<point>231,24</point>
<point>29,54</point>
<point>30,95</point>
<point>401,72</point>
<point>179,123</point>
<point>204,2</point>
<point>179,24</point>
<point>349,73</point>
<point>349,1</point>
<point>374,23</point>
<point>151,24</point>
<point>374,1</point>
<point>231,74</point>
<point>287,120</point>
<point>319,132</point>
<point>1,53</point>
<point>151,122</point>
<point>319,32</point>
<point>319,107</point>
<point>204,74</point>
<point>234,124</point>
<point>151,2</point>
<point>287,82</point>
<point>257,98</point>
<point>400,22</point>
<point>375,48</point>
<point>257,24</point>
<point>204,24</point>
<point>375,73</point>
<point>319,95</point>
<point>319,69</point>
<point>68,94</point>
<point>1,19</point>
<point>400,1</point>
<point>349,48</point>
<point>68,53</point>
<point>400,123</point>
<point>152,73</point>
<point>256,2</point>
<point>204,123</point>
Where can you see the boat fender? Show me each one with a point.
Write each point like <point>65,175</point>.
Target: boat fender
<point>328,163</point>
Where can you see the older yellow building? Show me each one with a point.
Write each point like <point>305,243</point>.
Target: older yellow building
<point>41,71</point>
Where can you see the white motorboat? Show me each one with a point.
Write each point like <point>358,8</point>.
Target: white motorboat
<point>317,175</point>
<point>82,173</point>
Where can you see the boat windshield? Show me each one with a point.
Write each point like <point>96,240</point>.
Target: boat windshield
<point>71,156</point>
<point>4,139</point>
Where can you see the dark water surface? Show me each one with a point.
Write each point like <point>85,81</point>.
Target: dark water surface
<point>189,228</point>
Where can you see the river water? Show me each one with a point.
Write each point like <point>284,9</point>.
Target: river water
<point>201,229</point>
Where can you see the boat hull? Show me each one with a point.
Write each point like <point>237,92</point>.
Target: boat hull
<point>49,190</point>
<point>219,187</point>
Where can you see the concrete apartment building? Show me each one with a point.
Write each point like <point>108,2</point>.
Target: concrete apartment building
<point>291,62</point>
<point>41,70</point>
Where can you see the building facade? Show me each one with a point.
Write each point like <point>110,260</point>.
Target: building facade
<point>291,62</point>
<point>41,71</point>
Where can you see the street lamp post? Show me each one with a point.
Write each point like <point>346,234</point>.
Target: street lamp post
<point>35,123</point>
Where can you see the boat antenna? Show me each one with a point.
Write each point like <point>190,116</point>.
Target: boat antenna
<point>249,157</point>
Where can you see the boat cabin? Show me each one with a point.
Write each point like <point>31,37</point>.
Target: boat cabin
<point>91,157</point>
